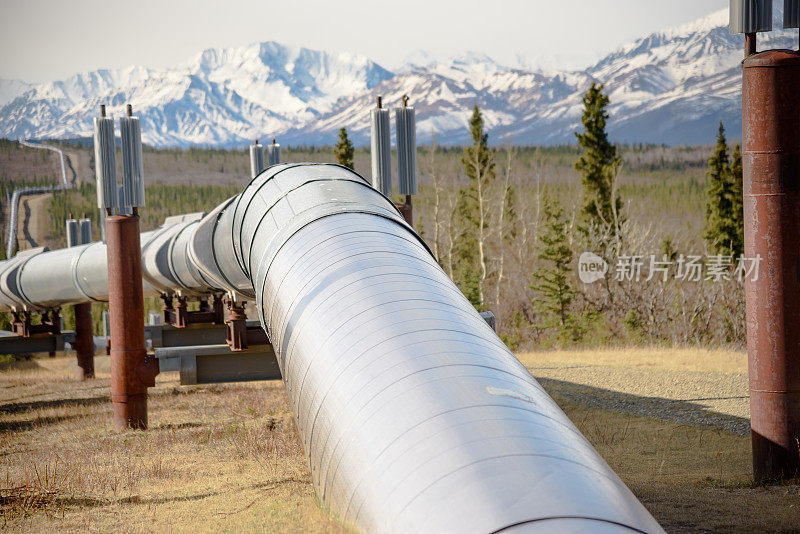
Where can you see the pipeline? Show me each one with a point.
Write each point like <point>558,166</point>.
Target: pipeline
<point>18,193</point>
<point>414,415</point>
<point>64,183</point>
<point>14,213</point>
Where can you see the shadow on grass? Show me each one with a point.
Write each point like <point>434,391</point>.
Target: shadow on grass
<point>28,424</point>
<point>135,499</point>
<point>10,363</point>
<point>685,412</point>
<point>20,407</point>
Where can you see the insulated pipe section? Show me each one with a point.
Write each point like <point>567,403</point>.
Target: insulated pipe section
<point>415,416</point>
<point>38,278</point>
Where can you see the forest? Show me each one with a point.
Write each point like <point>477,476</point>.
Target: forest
<point>509,224</point>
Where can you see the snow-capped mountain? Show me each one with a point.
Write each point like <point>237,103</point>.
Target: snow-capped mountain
<point>220,97</point>
<point>672,87</point>
<point>10,89</point>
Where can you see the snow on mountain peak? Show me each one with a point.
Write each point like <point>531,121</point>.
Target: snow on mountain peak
<point>672,86</point>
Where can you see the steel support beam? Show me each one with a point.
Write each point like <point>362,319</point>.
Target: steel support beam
<point>209,364</point>
<point>13,344</point>
<point>164,335</point>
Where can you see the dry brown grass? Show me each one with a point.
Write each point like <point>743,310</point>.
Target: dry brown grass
<point>690,478</point>
<point>678,359</point>
<point>226,458</point>
<point>215,458</point>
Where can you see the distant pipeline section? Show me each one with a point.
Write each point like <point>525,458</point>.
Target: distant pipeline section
<point>414,415</point>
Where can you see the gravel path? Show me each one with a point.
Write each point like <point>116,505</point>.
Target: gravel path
<point>715,400</point>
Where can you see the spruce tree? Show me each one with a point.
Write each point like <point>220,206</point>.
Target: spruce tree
<point>720,232</point>
<point>598,166</point>
<point>737,201</point>
<point>344,150</point>
<point>478,162</point>
<point>552,284</point>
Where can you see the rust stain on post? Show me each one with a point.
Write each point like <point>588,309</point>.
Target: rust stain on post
<point>132,372</point>
<point>771,160</point>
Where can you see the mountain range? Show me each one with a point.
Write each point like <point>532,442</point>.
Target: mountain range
<point>671,87</point>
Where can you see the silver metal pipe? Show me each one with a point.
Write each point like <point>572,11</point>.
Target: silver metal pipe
<point>11,242</point>
<point>414,415</point>
<point>64,182</point>
<point>38,278</point>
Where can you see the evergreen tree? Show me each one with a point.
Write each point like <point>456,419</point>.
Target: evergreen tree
<point>737,201</point>
<point>478,162</point>
<point>551,284</point>
<point>598,166</point>
<point>344,150</point>
<point>720,232</point>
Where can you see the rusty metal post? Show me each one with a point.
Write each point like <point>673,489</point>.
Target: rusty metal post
<point>84,340</point>
<point>132,372</point>
<point>406,210</point>
<point>771,160</point>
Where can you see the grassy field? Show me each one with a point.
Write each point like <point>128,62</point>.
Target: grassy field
<point>226,458</point>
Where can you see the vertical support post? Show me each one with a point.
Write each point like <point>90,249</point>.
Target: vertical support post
<point>131,371</point>
<point>84,339</point>
<point>771,161</point>
<point>52,319</point>
<point>79,233</point>
<point>106,322</point>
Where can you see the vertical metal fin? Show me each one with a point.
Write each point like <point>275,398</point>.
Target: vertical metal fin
<point>105,163</point>
<point>256,159</point>
<point>73,233</point>
<point>85,230</point>
<point>791,14</point>
<point>381,151</point>
<point>406,133</point>
<point>132,172</point>
<point>273,154</point>
<point>750,16</point>
<point>122,208</point>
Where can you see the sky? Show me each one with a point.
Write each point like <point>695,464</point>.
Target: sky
<point>44,40</point>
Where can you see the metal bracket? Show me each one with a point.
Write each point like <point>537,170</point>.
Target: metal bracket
<point>21,323</point>
<point>236,324</point>
<point>179,316</point>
